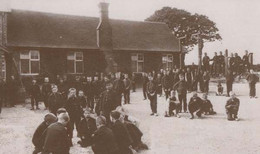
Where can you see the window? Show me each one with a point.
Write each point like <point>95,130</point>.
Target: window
<point>137,62</point>
<point>75,62</point>
<point>167,61</point>
<point>30,62</point>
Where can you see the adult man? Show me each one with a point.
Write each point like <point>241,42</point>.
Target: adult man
<point>104,141</point>
<point>63,88</point>
<point>189,79</point>
<point>127,86</point>
<point>167,84</point>
<point>118,87</point>
<point>133,82</point>
<point>232,62</point>
<point>121,133</point>
<point>3,91</point>
<point>145,81</point>
<point>232,107</point>
<point>246,61</point>
<point>195,105</point>
<point>159,84</point>
<point>237,64</point>
<point>152,96</point>
<point>37,139</point>
<point>205,80</point>
<point>55,100</point>
<point>106,103</point>
<point>181,87</point>
<point>252,79</point>
<point>215,64</point>
<point>205,62</point>
<point>56,138</point>
<point>221,65</point>
<point>12,90</point>
<point>46,90</point>
<point>229,81</point>
<point>89,91</point>
<point>74,109</point>
<point>96,88</point>
<point>34,92</point>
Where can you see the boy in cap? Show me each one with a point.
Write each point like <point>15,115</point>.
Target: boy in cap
<point>37,139</point>
<point>195,105</point>
<point>172,105</point>
<point>232,107</point>
<point>87,127</point>
<point>207,106</point>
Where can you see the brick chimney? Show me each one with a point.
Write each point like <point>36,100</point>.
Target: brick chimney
<point>104,37</point>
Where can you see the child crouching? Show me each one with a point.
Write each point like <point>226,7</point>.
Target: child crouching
<point>171,105</point>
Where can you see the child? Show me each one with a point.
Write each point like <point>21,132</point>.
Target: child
<point>172,105</point>
<point>232,107</point>
<point>207,106</point>
<point>219,89</point>
<point>195,105</point>
<point>37,139</point>
<point>82,99</point>
<point>87,127</point>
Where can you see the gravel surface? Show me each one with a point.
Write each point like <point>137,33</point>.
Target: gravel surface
<point>208,135</point>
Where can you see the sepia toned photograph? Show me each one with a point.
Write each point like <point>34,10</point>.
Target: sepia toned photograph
<point>129,77</point>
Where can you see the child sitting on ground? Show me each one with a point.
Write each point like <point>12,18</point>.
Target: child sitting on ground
<point>219,89</point>
<point>207,106</point>
<point>171,105</point>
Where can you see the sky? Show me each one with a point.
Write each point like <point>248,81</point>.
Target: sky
<point>238,20</point>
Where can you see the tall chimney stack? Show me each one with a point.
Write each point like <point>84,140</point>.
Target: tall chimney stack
<point>104,37</point>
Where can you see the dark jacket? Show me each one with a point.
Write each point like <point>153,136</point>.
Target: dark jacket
<point>56,139</point>
<point>118,86</point>
<point>122,136</point>
<point>182,87</point>
<point>37,139</point>
<point>34,90</point>
<point>195,103</point>
<point>46,89</point>
<point>151,88</point>
<point>55,101</point>
<point>106,103</point>
<point>232,104</point>
<point>134,133</point>
<point>127,84</point>
<point>87,127</point>
<point>73,107</point>
<point>167,82</point>
<point>252,79</point>
<point>104,141</point>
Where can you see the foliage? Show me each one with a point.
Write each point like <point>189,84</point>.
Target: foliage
<point>187,26</point>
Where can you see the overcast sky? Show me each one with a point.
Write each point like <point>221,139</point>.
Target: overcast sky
<point>237,20</point>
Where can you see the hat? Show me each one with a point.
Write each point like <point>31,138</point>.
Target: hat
<point>61,110</point>
<point>50,118</point>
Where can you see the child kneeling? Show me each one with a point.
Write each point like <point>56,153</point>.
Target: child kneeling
<point>171,105</point>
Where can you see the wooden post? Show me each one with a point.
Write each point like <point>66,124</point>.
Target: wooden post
<point>200,46</point>
<point>226,61</point>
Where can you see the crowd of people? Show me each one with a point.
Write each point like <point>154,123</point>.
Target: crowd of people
<point>236,64</point>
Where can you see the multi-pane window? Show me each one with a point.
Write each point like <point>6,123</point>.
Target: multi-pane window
<point>137,62</point>
<point>75,62</point>
<point>167,61</point>
<point>30,62</point>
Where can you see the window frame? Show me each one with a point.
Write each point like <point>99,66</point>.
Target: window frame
<point>168,60</point>
<point>30,60</point>
<point>75,60</point>
<point>137,61</point>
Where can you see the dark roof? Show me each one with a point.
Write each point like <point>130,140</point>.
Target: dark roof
<point>38,29</point>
